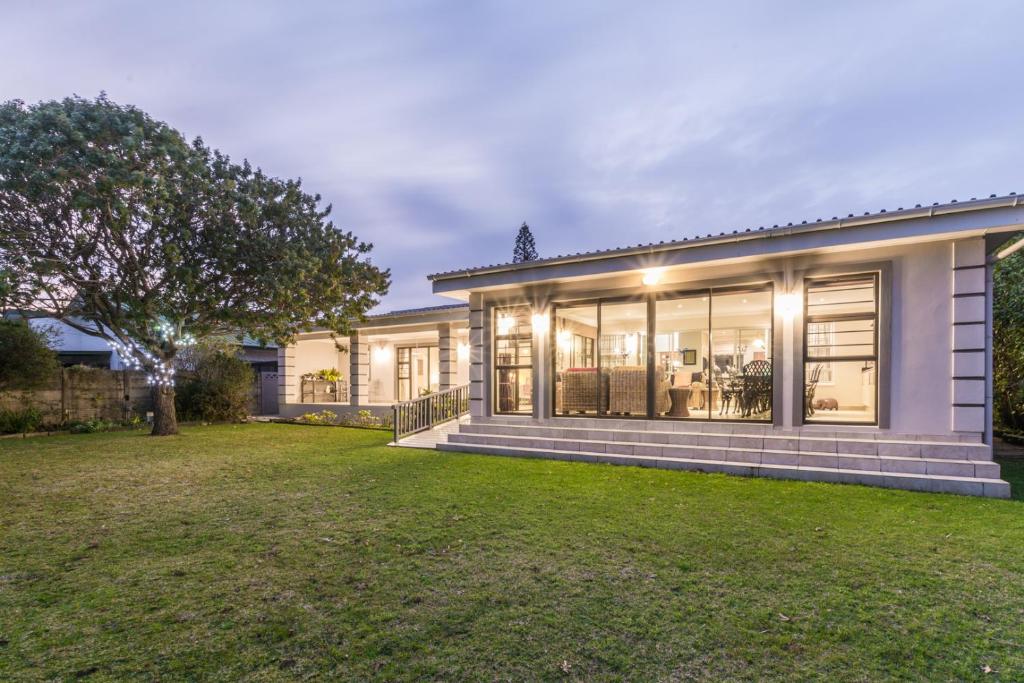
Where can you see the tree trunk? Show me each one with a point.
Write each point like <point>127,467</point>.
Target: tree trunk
<point>165,420</point>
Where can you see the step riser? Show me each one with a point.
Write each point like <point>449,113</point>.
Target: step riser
<point>998,489</point>
<point>725,427</point>
<point>948,451</point>
<point>986,470</point>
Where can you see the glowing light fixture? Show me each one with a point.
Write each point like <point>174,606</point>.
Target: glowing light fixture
<point>505,323</point>
<point>651,277</point>
<point>381,353</point>
<point>789,304</point>
<point>462,350</point>
<point>541,323</point>
<point>759,344</point>
<point>564,337</point>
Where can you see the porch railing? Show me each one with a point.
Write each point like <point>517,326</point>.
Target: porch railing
<point>428,411</point>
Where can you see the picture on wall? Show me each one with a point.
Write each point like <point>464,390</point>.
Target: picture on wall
<point>689,356</point>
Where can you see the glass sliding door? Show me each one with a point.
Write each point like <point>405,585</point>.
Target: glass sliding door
<point>741,370</point>
<point>704,354</point>
<point>513,361</point>
<point>622,347</point>
<point>580,387</point>
<point>841,349</point>
<point>417,371</point>
<point>682,357</point>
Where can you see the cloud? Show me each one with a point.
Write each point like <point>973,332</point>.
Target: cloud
<point>436,128</point>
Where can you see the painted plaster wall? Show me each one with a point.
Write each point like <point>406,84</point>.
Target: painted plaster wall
<point>920,368</point>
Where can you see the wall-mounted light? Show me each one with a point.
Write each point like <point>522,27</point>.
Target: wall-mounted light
<point>505,323</point>
<point>381,353</point>
<point>759,344</point>
<point>789,304</point>
<point>462,351</point>
<point>564,338</point>
<point>540,323</point>
<point>651,277</point>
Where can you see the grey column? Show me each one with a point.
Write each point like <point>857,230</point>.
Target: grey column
<point>359,370</point>
<point>447,352</point>
<point>477,354</point>
<point>287,380</point>
<point>969,366</point>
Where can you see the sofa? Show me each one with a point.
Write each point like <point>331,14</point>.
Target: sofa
<point>627,392</point>
<point>578,390</point>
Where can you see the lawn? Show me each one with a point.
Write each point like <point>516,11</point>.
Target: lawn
<point>269,552</point>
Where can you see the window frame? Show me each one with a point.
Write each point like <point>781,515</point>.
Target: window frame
<point>876,358</point>
<point>497,367</point>
<point>651,298</point>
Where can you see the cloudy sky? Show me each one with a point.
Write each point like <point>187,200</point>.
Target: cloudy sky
<point>436,128</point>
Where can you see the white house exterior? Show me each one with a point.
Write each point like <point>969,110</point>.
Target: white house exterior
<point>392,357</point>
<point>854,349</point>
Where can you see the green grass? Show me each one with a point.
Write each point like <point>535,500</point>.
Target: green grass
<point>267,552</point>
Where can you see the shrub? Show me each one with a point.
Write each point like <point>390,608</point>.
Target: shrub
<point>216,390</point>
<point>324,417</point>
<point>26,361</point>
<point>20,421</point>
<point>91,426</point>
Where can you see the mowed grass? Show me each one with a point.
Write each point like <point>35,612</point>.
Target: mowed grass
<point>272,552</point>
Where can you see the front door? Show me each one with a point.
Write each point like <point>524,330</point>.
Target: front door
<point>417,371</point>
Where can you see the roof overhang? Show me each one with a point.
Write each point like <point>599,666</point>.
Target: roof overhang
<point>948,221</point>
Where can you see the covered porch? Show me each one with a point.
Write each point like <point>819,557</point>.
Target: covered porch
<point>391,358</point>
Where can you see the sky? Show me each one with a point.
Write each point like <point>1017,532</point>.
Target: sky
<point>436,128</point>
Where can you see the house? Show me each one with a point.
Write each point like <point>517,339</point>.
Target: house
<point>392,357</point>
<point>854,349</point>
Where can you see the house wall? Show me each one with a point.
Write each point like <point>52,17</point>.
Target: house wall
<point>917,308</point>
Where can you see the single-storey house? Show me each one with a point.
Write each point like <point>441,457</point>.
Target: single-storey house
<point>854,349</point>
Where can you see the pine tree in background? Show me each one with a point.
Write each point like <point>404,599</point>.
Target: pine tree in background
<point>526,248</point>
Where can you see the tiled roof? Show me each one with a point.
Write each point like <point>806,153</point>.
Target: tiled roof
<point>760,231</point>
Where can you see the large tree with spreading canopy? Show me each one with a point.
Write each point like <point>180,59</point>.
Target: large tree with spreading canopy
<point>118,226</point>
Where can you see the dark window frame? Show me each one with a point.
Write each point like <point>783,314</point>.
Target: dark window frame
<point>497,367</point>
<point>876,358</point>
<point>651,298</point>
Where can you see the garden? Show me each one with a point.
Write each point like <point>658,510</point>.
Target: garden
<point>269,551</point>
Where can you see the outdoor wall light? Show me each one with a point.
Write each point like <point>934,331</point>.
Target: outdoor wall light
<point>651,277</point>
<point>462,350</point>
<point>564,338</point>
<point>540,323</point>
<point>381,353</point>
<point>505,324</point>
<point>789,304</point>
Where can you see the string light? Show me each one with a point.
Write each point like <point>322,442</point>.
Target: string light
<point>159,373</point>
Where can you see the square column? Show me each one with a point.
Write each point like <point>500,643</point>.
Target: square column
<point>448,355</point>
<point>359,370</point>
<point>287,378</point>
<point>477,355</point>
<point>970,322</point>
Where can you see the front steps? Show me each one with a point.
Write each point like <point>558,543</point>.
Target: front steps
<point>855,457</point>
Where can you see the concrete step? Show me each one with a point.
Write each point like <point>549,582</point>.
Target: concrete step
<point>975,486</point>
<point>742,454</point>
<point>724,436</point>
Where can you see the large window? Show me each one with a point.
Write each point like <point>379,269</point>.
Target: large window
<point>700,355</point>
<point>417,371</point>
<point>513,361</point>
<point>841,349</point>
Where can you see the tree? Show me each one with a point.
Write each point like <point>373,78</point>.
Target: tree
<point>526,249</point>
<point>126,231</point>
<point>26,359</point>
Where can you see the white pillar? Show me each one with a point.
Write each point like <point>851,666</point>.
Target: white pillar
<point>359,370</point>
<point>970,341</point>
<point>448,356</point>
<point>287,379</point>
<point>477,355</point>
